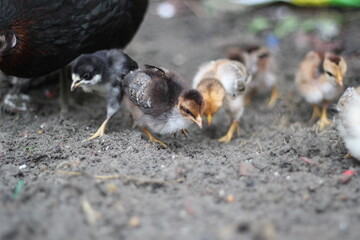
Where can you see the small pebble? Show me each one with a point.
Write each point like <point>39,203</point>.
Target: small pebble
<point>111,188</point>
<point>221,193</point>
<point>166,10</point>
<point>22,166</point>
<point>230,198</point>
<point>134,222</point>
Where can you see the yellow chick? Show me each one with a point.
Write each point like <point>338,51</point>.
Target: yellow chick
<point>223,82</point>
<point>320,81</point>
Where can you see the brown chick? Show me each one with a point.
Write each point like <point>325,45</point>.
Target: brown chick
<point>223,82</point>
<point>320,81</point>
<point>261,63</point>
<point>160,102</point>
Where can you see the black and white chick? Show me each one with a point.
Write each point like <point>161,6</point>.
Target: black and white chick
<point>160,102</point>
<point>101,73</point>
<point>348,123</point>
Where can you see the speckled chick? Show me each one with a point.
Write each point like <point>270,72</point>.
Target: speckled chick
<point>261,63</point>
<point>320,81</point>
<point>348,123</point>
<point>101,73</point>
<point>160,102</point>
<point>223,83</point>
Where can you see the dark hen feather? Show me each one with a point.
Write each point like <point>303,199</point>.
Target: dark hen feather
<point>51,33</point>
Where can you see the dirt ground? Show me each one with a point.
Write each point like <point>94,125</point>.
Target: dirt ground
<point>280,179</point>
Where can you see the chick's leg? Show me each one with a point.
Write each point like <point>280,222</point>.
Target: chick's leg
<point>113,105</point>
<point>274,97</point>
<point>229,135</point>
<point>152,138</point>
<point>101,131</point>
<point>324,121</point>
<point>249,96</point>
<point>316,113</point>
<point>185,132</point>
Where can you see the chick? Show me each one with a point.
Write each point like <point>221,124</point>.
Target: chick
<point>160,102</point>
<point>348,123</point>
<point>223,82</point>
<point>320,81</point>
<point>101,73</point>
<point>262,65</point>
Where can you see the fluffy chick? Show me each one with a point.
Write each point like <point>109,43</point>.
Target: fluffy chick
<point>348,123</point>
<point>101,73</point>
<point>261,63</point>
<point>320,81</point>
<point>223,82</point>
<point>160,102</point>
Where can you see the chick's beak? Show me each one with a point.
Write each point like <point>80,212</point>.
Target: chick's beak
<point>198,121</point>
<point>76,82</point>
<point>209,119</point>
<point>339,79</point>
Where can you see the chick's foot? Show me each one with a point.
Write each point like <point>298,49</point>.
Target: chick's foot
<point>152,138</point>
<point>274,97</point>
<point>229,135</point>
<point>324,121</point>
<point>100,132</point>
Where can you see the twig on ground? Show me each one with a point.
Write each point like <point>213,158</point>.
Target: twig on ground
<point>308,161</point>
<point>126,178</point>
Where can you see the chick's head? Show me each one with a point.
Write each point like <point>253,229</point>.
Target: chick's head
<point>191,105</point>
<point>86,70</point>
<point>213,93</point>
<point>334,68</point>
<point>263,57</point>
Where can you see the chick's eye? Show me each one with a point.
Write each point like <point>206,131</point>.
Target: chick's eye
<point>86,76</point>
<point>264,55</point>
<point>187,111</point>
<point>329,73</point>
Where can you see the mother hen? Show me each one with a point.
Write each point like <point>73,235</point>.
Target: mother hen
<point>38,37</point>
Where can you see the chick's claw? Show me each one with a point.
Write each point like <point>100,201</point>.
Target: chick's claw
<point>316,113</point>
<point>185,132</point>
<point>100,132</point>
<point>323,123</point>
<point>153,139</point>
<point>274,97</point>
<point>229,135</point>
